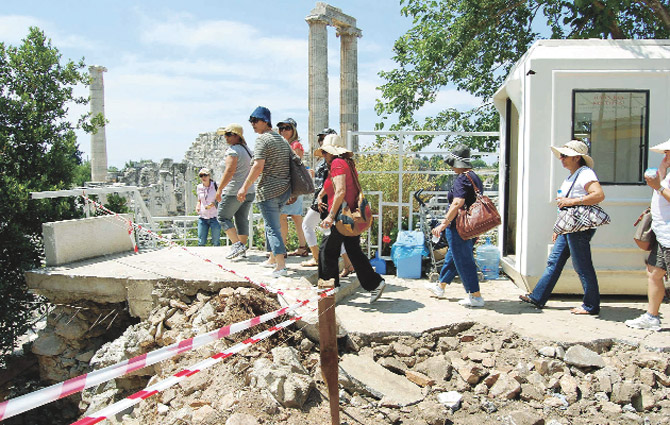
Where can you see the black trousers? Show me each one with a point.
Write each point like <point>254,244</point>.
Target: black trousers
<point>329,255</point>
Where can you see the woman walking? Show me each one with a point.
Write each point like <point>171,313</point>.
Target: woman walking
<point>342,185</point>
<point>237,163</point>
<point>459,259</point>
<point>581,187</point>
<point>206,209</point>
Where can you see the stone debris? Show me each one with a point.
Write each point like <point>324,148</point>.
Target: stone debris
<point>451,399</point>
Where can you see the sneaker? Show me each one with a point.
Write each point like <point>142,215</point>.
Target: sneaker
<point>267,263</point>
<point>376,293</point>
<point>236,250</point>
<point>471,301</point>
<point>435,288</point>
<point>646,321</point>
<point>277,273</point>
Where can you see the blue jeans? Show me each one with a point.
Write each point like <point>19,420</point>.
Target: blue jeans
<point>577,245</point>
<point>459,261</point>
<point>230,207</point>
<point>204,226</point>
<point>270,210</point>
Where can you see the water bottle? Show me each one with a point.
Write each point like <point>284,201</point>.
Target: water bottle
<point>559,193</point>
<point>488,259</point>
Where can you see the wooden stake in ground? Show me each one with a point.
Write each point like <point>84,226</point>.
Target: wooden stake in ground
<point>328,347</point>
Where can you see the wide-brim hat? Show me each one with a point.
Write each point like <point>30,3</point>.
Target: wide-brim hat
<point>204,172</point>
<point>459,157</point>
<point>334,145</point>
<point>661,147</point>
<point>232,128</point>
<point>574,148</point>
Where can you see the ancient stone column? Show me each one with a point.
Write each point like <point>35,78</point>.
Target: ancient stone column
<point>349,82</point>
<point>98,140</point>
<point>318,81</point>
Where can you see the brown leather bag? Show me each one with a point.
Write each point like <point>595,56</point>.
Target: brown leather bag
<point>481,217</point>
<point>644,237</point>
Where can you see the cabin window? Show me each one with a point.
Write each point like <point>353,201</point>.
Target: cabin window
<point>614,124</point>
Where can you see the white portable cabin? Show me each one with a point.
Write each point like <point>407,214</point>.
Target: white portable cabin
<point>614,94</point>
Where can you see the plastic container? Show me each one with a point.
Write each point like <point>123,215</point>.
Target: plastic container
<point>651,172</point>
<point>488,259</point>
<point>407,252</point>
<point>378,263</point>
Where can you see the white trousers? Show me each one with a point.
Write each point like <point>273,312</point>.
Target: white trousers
<point>310,222</point>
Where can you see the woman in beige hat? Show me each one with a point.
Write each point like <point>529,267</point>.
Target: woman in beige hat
<point>581,187</point>
<point>658,261</point>
<point>340,185</point>
<point>237,162</point>
<point>206,209</point>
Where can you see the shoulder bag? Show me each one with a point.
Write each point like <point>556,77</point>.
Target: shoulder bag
<point>644,237</point>
<point>356,219</point>
<point>479,218</point>
<point>301,180</point>
<point>580,217</point>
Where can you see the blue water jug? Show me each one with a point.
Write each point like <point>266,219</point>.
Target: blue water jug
<point>488,259</point>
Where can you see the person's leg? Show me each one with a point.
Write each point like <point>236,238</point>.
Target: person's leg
<point>328,257</point>
<point>448,271</point>
<point>368,278</point>
<point>309,224</point>
<point>464,260</point>
<point>555,263</point>
<point>203,229</point>
<point>284,227</point>
<point>242,218</point>
<point>270,210</point>
<point>656,290</point>
<point>297,219</point>
<point>216,231</point>
<point>579,244</point>
<point>227,207</point>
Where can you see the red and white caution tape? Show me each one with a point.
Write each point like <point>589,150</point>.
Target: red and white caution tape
<point>175,245</point>
<point>133,399</point>
<point>55,392</point>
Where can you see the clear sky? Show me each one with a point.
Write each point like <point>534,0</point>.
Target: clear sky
<point>177,69</point>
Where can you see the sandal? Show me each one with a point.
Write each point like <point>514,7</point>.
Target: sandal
<point>527,299</point>
<point>310,263</point>
<point>302,251</point>
<point>347,271</point>
<point>579,310</point>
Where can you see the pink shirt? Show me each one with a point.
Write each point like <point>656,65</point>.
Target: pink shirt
<point>207,196</point>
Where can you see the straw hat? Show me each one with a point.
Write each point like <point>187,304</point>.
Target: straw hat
<point>334,145</point>
<point>204,172</point>
<point>574,148</point>
<point>232,128</point>
<point>661,147</point>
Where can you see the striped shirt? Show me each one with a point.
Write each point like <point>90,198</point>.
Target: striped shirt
<point>275,177</point>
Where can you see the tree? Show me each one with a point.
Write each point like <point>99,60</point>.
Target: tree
<point>38,151</point>
<point>472,44</point>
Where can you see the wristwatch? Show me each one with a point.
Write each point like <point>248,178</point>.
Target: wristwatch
<point>660,190</point>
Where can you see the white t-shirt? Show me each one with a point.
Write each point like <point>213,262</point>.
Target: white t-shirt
<point>584,176</point>
<point>660,215</point>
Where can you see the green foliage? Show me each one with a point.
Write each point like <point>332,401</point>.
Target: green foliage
<point>472,44</point>
<point>38,151</point>
<point>117,203</point>
<point>82,174</point>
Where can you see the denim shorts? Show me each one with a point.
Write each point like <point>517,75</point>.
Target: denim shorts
<point>293,209</point>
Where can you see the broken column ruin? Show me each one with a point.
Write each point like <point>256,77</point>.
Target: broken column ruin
<point>98,138</point>
<point>320,17</point>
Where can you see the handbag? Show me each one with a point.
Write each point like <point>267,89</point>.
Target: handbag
<point>354,221</point>
<point>301,180</point>
<point>644,237</point>
<point>479,218</point>
<point>580,217</point>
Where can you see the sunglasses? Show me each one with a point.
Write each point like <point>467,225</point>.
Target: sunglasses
<point>204,175</point>
<point>563,156</point>
<point>228,134</point>
<point>284,128</point>
<point>253,120</point>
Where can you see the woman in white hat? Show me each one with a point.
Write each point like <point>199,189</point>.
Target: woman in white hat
<point>236,163</point>
<point>341,186</point>
<point>206,209</point>
<point>659,257</point>
<point>581,187</point>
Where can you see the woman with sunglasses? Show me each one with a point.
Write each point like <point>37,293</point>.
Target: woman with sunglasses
<point>237,163</point>
<point>581,187</point>
<point>289,130</point>
<point>206,209</point>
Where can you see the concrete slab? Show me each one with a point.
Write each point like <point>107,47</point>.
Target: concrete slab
<point>406,307</point>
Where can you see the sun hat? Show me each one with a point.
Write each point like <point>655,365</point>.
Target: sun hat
<point>661,147</point>
<point>326,131</point>
<point>232,128</point>
<point>574,148</point>
<point>290,121</point>
<point>262,113</point>
<point>334,145</point>
<point>459,157</point>
<point>204,171</point>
